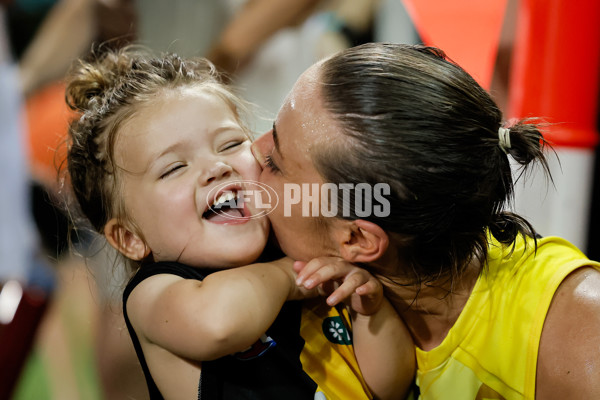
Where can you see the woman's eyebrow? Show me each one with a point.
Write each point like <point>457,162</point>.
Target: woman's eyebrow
<point>276,141</point>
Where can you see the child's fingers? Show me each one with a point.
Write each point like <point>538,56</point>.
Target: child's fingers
<point>298,265</point>
<point>327,288</point>
<point>309,275</point>
<point>347,288</point>
<point>326,272</point>
<point>371,287</point>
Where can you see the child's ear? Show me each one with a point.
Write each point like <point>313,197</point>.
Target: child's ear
<point>361,241</point>
<point>127,242</point>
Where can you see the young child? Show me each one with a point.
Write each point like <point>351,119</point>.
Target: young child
<point>154,139</point>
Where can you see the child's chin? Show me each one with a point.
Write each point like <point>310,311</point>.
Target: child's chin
<point>248,256</point>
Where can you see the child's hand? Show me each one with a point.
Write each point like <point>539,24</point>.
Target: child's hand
<point>297,292</point>
<point>341,281</point>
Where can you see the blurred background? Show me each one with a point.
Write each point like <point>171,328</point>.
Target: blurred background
<point>62,334</point>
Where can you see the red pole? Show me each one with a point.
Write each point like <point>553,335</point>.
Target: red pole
<point>556,64</point>
<point>555,76</point>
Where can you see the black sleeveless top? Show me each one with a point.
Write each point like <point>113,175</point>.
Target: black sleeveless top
<point>270,369</point>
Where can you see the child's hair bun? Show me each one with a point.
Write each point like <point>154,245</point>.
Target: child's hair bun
<point>90,80</point>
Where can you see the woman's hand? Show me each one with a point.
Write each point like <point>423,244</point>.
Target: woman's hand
<point>340,281</point>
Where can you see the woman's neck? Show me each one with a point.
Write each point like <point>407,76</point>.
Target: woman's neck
<point>430,310</point>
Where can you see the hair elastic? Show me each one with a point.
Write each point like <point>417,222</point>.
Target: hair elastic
<point>504,139</point>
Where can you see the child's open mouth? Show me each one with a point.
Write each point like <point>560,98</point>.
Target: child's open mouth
<point>227,207</point>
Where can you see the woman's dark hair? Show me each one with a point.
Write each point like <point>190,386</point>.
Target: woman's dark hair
<point>106,90</point>
<point>420,123</point>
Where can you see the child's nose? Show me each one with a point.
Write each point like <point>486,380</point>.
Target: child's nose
<point>218,171</point>
<point>260,157</point>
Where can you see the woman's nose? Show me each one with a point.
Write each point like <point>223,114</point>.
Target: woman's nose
<point>217,171</point>
<point>262,146</point>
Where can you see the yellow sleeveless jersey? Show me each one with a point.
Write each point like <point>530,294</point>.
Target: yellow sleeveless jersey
<point>491,352</point>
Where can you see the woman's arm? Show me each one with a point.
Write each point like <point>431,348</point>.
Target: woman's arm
<point>569,355</point>
<point>382,344</point>
<point>203,320</point>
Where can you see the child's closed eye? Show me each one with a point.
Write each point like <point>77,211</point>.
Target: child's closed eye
<point>171,170</point>
<point>231,145</point>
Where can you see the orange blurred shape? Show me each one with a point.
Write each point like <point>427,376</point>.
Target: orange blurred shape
<point>47,117</point>
<point>468,31</point>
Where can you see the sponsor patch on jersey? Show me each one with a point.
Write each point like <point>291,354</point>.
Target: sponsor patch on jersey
<point>335,331</point>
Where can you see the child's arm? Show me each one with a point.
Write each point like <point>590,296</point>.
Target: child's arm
<point>385,352</point>
<point>383,346</point>
<point>203,320</point>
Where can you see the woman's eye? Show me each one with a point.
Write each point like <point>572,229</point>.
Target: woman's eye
<point>171,170</point>
<point>269,163</point>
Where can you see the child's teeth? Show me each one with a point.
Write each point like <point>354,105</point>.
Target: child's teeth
<point>224,197</point>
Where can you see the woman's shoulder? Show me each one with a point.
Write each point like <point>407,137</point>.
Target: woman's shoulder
<point>540,258</point>
<point>569,352</point>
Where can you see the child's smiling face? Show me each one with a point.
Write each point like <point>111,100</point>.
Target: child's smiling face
<point>173,154</point>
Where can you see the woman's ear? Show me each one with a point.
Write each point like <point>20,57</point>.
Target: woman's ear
<point>362,241</point>
<point>127,242</point>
